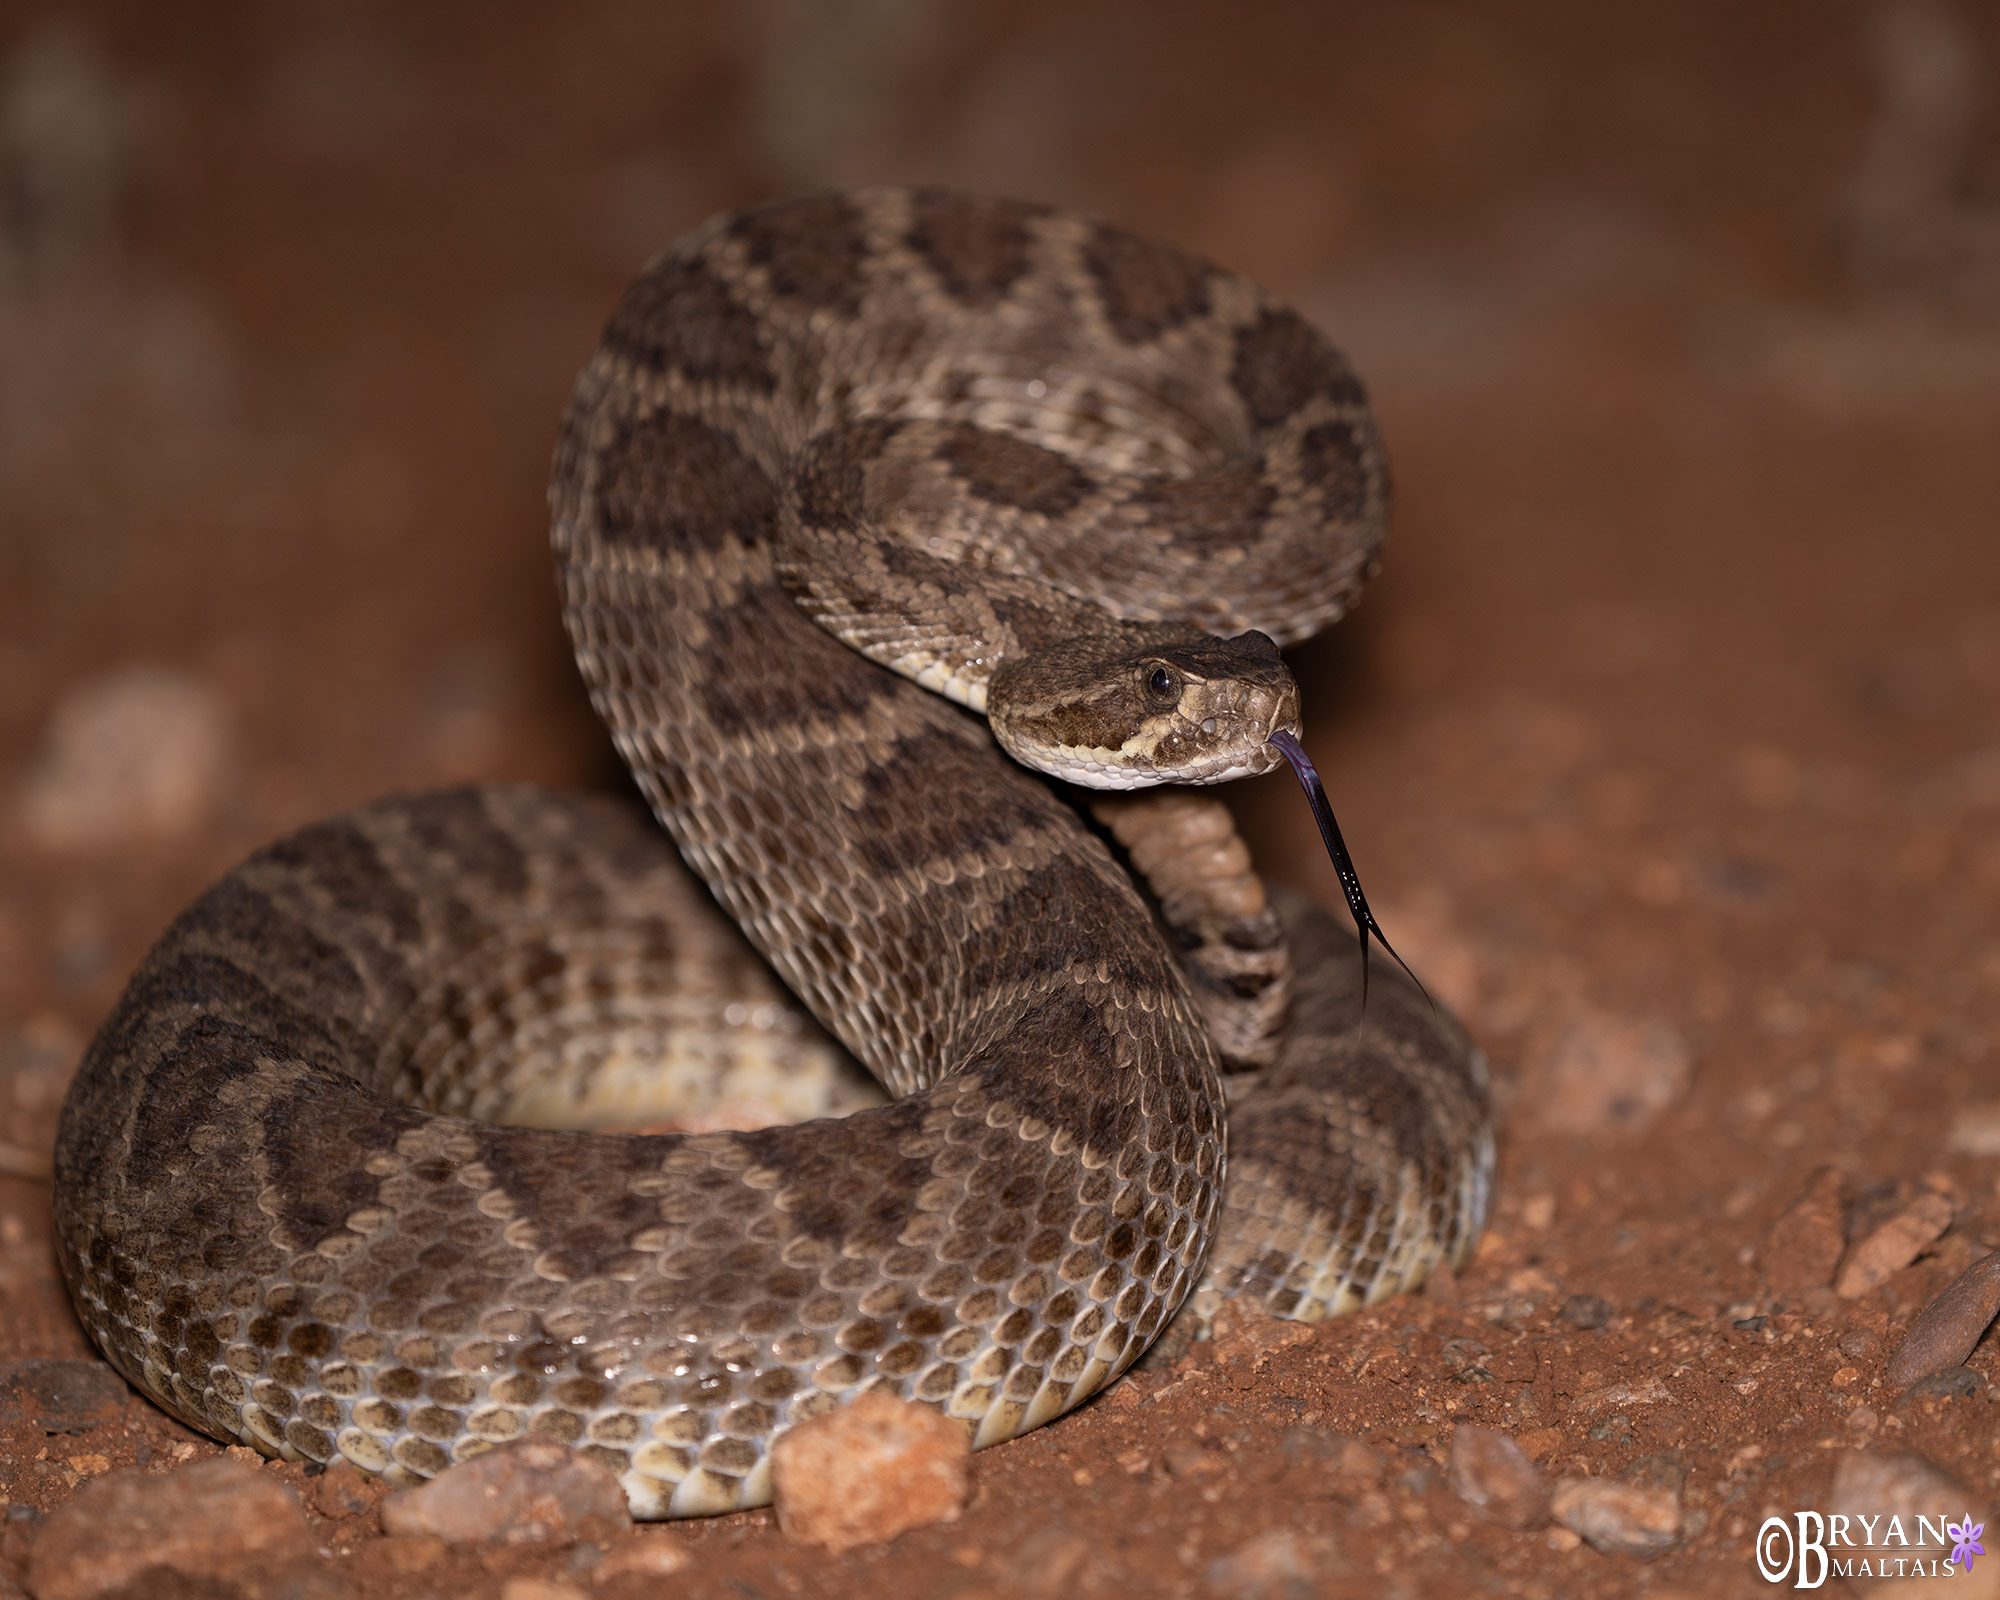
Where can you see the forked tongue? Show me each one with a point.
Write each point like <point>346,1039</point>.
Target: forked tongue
<point>1343,863</point>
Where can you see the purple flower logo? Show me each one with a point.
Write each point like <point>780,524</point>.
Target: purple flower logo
<point>1967,1545</point>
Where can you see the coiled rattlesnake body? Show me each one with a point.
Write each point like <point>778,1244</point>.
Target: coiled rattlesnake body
<point>951,430</point>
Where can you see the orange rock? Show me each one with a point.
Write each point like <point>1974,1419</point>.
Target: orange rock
<point>1804,1245</point>
<point>869,1471</point>
<point>1893,1246</point>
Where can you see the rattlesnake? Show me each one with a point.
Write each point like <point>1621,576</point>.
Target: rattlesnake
<point>951,429</point>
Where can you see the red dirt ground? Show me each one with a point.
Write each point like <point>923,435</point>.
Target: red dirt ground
<point>1671,726</point>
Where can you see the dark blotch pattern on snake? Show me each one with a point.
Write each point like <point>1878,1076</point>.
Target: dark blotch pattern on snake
<point>290,1204</point>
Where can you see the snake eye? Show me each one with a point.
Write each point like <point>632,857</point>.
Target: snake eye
<point>1164,684</point>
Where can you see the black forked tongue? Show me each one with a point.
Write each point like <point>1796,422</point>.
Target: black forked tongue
<point>1343,863</point>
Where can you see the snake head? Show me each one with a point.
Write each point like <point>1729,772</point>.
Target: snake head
<point>1146,705</point>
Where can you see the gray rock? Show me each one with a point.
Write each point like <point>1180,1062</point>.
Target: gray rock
<point>1954,1383</point>
<point>1586,1311</point>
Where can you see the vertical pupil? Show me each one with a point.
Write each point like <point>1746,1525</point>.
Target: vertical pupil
<point>1162,682</point>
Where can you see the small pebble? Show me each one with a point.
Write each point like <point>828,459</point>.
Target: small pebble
<point>1187,1459</point>
<point>1416,1479</point>
<point>1804,1246</point>
<point>533,1491</point>
<point>1586,1311</point>
<point>1243,1327</point>
<point>1954,1383</point>
<point>1539,1442</point>
<point>1278,1565</point>
<point>1641,1392</point>
<point>1046,1561</point>
<point>1464,1359</point>
<point>60,1396</point>
<point>137,754</point>
<point>194,1521</point>
<point>1342,1463</point>
<point>1490,1473</point>
<point>1613,1072</point>
<point>1893,1246</point>
<point>1667,1470</point>
<point>1618,1518</point>
<point>344,1490</point>
<point>1947,1329</point>
<point>875,1468</point>
<point>1975,1130</point>
<point>651,1555</point>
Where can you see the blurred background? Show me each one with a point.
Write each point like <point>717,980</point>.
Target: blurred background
<point>1677,691</point>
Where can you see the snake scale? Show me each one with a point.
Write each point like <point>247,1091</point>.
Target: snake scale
<point>985,446</point>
